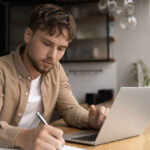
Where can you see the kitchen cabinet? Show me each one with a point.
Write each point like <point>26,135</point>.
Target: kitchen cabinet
<point>92,40</point>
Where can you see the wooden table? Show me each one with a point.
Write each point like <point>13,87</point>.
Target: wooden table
<point>135,143</point>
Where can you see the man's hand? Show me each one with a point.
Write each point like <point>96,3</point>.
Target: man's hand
<point>97,116</point>
<point>44,137</point>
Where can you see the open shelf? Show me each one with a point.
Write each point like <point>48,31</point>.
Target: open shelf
<point>95,17</point>
<point>88,61</point>
<point>88,39</point>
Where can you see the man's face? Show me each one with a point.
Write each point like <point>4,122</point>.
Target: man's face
<point>43,50</point>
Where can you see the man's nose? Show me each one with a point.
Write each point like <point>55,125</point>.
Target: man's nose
<point>52,53</point>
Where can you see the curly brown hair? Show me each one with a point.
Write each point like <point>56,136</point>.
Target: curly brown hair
<point>52,18</point>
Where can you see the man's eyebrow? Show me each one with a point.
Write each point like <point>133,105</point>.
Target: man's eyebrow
<point>62,46</point>
<point>45,39</point>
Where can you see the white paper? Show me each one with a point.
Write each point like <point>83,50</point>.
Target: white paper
<point>65,147</point>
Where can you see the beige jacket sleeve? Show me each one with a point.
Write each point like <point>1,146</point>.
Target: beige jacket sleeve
<point>73,114</point>
<point>7,132</point>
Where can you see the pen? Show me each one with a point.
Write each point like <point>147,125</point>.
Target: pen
<point>44,121</point>
<point>41,118</point>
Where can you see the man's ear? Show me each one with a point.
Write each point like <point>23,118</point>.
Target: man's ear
<point>27,35</point>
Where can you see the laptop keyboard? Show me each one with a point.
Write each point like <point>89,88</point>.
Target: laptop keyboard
<point>91,137</point>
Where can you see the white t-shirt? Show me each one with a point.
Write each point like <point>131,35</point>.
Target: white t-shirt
<point>29,119</point>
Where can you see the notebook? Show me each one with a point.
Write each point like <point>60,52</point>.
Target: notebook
<point>128,117</point>
<point>65,147</point>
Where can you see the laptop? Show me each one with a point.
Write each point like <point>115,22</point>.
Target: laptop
<point>128,117</point>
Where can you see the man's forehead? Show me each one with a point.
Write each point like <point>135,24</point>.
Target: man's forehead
<point>64,33</point>
<point>53,38</point>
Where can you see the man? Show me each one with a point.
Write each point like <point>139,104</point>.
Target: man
<point>32,79</point>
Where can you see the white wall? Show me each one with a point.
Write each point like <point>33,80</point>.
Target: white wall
<point>101,76</point>
<point>132,45</point>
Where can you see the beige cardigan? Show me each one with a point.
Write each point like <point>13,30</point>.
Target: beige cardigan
<point>15,83</point>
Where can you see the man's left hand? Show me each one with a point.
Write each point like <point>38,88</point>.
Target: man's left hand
<point>97,116</point>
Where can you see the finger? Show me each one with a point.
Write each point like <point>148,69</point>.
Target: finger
<point>54,131</point>
<point>57,143</point>
<point>92,112</point>
<point>107,111</point>
<point>62,140</point>
<point>57,133</point>
<point>49,146</point>
<point>101,114</point>
<point>41,144</point>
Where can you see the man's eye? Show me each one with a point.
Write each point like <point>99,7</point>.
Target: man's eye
<point>46,44</point>
<point>61,49</point>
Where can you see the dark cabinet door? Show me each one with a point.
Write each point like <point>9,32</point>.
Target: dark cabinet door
<point>2,30</point>
<point>91,42</point>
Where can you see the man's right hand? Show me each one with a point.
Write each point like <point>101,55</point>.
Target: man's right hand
<point>44,137</point>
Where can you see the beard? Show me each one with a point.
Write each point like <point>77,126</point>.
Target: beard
<point>36,65</point>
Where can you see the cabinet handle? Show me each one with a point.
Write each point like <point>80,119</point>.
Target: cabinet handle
<point>85,70</point>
